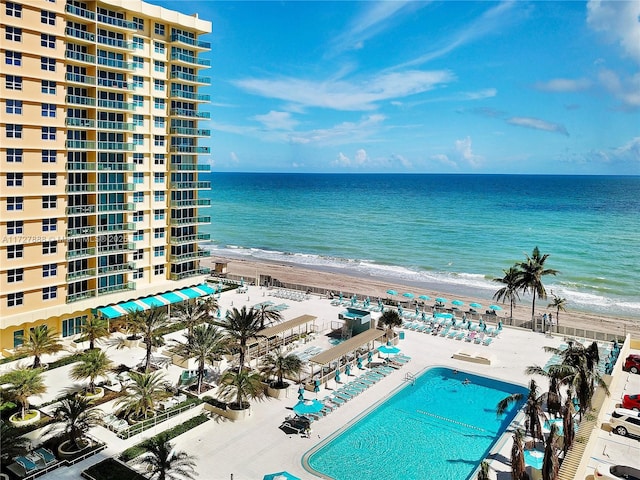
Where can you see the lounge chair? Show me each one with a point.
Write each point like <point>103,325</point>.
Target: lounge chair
<point>460,336</point>
<point>479,338</point>
<point>470,337</point>
<point>46,455</point>
<point>487,341</point>
<point>26,463</point>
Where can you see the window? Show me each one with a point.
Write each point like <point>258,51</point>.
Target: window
<point>49,293</point>
<point>13,33</point>
<point>158,140</point>
<point>138,254</point>
<point>49,201</point>
<point>138,274</point>
<point>138,43</point>
<point>13,58</point>
<point>138,236</point>
<point>49,224</point>
<point>49,248</point>
<point>138,81</point>
<point>158,233</point>
<point>138,62</point>
<point>48,18</point>
<point>158,122</point>
<point>15,251</point>
<point>138,120</point>
<point>14,10</point>
<point>158,177</point>
<point>158,251</point>
<point>138,197</point>
<point>14,131</point>
<point>73,326</point>
<point>14,155</point>
<point>15,227</point>
<point>47,63</point>
<point>15,204</point>
<point>139,23</point>
<point>15,300</point>
<point>48,133</point>
<point>14,107</point>
<point>158,47</point>
<point>138,216</point>
<point>14,179</point>
<point>48,87</point>
<point>138,139</point>
<point>48,110</point>
<point>158,196</point>
<point>138,177</point>
<point>158,66</point>
<point>158,269</point>
<point>158,158</point>
<point>138,101</point>
<point>49,179</point>
<point>48,41</point>
<point>158,85</point>
<point>15,275</point>
<point>138,158</point>
<point>13,82</point>
<point>158,29</point>
<point>50,270</point>
<point>49,156</point>
<point>158,214</point>
<point>158,102</point>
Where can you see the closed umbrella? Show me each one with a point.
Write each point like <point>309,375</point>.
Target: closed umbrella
<point>337,377</point>
<point>347,370</point>
<point>369,356</point>
<point>359,363</point>
<point>316,386</point>
<point>301,397</point>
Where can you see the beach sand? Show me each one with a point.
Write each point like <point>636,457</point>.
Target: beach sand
<point>374,288</point>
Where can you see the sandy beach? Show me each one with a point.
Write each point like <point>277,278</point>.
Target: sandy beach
<point>329,281</point>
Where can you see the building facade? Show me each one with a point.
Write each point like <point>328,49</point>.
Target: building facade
<point>99,144</point>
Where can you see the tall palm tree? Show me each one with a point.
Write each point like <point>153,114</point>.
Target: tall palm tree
<point>268,314</point>
<point>518,468</point>
<point>146,323</point>
<point>93,365</point>
<point>78,416</point>
<point>23,383</point>
<point>560,304</point>
<point>94,329</point>
<point>567,424</point>
<point>191,313</point>
<point>280,364</point>
<point>241,325</point>
<point>162,462</point>
<point>12,443</point>
<point>553,397</point>
<point>239,387</point>
<point>508,293</point>
<point>390,319</point>
<point>483,472</point>
<point>39,341</point>
<point>550,464</point>
<point>533,408</point>
<point>532,270</point>
<point>205,343</point>
<point>141,395</point>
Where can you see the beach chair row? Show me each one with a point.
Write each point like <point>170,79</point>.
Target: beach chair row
<point>308,352</point>
<point>290,295</point>
<point>451,332</point>
<point>38,459</point>
<point>355,387</point>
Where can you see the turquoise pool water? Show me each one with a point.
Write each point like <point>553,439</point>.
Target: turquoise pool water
<point>437,428</point>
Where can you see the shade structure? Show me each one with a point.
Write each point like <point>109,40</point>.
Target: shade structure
<point>441,300</point>
<point>408,295</point>
<point>475,305</point>
<point>392,292</point>
<point>424,297</point>
<point>388,349</point>
<point>457,303</point>
<point>495,307</point>
<point>308,406</point>
<point>280,476</point>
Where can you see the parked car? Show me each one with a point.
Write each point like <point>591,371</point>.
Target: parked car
<point>632,363</point>
<point>625,422</point>
<point>631,402</point>
<point>614,472</point>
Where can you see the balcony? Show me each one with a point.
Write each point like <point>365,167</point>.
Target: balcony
<point>121,267</point>
<point>79,122</point>
<point>196,97</point>
<point>121,146</point>
<point>117,227</point>
<point>190,132</point>
<point>116,166</point>
<point>189,167</point>
<point>195,202</point>
<point>115,63</point>
<point>185,257</point>
<point>115,42</point>
<point>114,104</point>
<point>82,274</point>
<point>104,125</point>
<point>181,57</point>
<point>117,22</point>
<point>80,12</point>
<point>81,253</point>
<point>190,273</point>
<point>81,79</point>
<point>190,185</point>
<point>116,247</point>
<point>184,112</point>
<point>80,166</point>
<point>80,210</point>
<point>116,187</point>
<point>75,297</point>
<point>116,207</point>
<point>181,240</point>
<point>78,100</point>
<point>80,57</point>
<point>80,144</point>
<point>189,149</point>
<point>78,34</point>
<point>112,83</point>
<point>81,231</point>
<point>187,77</point>
<point>193,42</point>
<point>116,288</point>
<point>80,188</point>
<point>190,220</point>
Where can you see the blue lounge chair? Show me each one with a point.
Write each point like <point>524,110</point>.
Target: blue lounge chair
<point>487,341</point>
<point>46,455</point>
<point>26,463</point>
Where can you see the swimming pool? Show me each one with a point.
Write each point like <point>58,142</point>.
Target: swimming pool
<point>437,428</point>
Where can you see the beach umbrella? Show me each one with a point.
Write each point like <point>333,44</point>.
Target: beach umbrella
<point>242,281</point>
<point>443,315</point>
<point>441,300</point>
<point>337,378</point>
<point>457,303</point>
<point>475,305</point>
<point>424,316</point>
<point>280,476</point>
<point>495,307</point>
<point>424,297</point>
<point>359,363</point>
<point>408,295</point>
<point>316,386</point>
<point>347,369</point>
<point>400,310</point>
<point>218,313</point>
<point>301,397</point>
<point>392,292</point>
<point>340,297</point>
<point>308,406</point>
<point>417,310</point>
<point>369,356</point>
<point>388,349</point>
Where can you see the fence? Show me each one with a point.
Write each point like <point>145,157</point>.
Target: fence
<point>159,417</point>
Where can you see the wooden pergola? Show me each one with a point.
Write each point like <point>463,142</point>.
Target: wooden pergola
<point>276,336</point>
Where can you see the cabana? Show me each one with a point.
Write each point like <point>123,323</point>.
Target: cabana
<point>281,334</point>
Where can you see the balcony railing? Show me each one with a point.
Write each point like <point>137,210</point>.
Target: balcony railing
<point>80,188</point>
<point>112,83</point>
<point>190,273</point>
<point>79,122</point>
<point>189,149</point>
<point>127,147</point>
<point>191,220</point>
<point>104,125</point>
<point>189,167</point>
<point>115,42</point>
<point>184,257</point>
<point>81,57</point>
<point>190,95</point>
<point>81,144</point>
<point>181,57</point>
<point>116,166</point>
<point>115,104</point>
<point>121,267</point>
<point>79,100</point>
<point>75,297</point>
<point>80,166</point>
<point>83,79</point>
<point>190,132</point>
<point>116,22</point>
<point>116,288</point>
<point>80,34</point>
<point>198,237</point>
<point>73,276</point>
<point>194,42</point>
<point>115,63</point>
<point>116,207</point>
<point>81,231</point>
<point>116,187</point>
<point>80,209</point>
<point>184,112</point>
<point>80,12</point>
<point>195,202</point>
<point>117,227</point>
<point>116,247</point>
<point>80,253</point>
<point>190,185</point>
<point>187,77</point>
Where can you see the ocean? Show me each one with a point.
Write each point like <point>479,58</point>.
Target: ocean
<point>449,233</point>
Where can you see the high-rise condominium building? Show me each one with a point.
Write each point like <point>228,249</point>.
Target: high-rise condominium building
<point>99,190</point>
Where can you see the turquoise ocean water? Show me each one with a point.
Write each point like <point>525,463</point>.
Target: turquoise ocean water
<point>449,233</point>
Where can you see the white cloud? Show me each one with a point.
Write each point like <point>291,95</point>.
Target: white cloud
<point>627,153</point>
<point>444,160</point>
<point>234,157</point>
<point>403,161</point>
<point>341,160</point>
<point>619,22</point>
<point>463,149</point>
<point>538,124</point>
<point>345,132</point>
<point>361,157</point>
<point>564,85</point>
<point>480,94</point>
<point>277,120</point>
<point>625,89</point>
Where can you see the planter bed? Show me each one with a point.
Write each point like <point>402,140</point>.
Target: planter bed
<point>111,469</point>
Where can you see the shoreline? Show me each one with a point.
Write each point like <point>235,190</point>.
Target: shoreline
<point>377,287</point>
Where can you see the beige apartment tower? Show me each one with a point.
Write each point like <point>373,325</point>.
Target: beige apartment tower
<point>99,144</point>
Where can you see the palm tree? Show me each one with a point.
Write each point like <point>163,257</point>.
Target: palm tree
<point>191,313</point>
<point>390,319</point>
<point>280,364</point>
<point>238,387</point>
<point>38,342</point>
<point>94,329</point>
<point>530,278</point>
<point>553,397</point>
<point>12,443</point>
<point>560,304</point>
<point>93,365</point>
<point>268,314</point>
<point>78,416</point>
<point>518,469</point>
<point>146,323</point>
<point>567,424</point>
<point>508,293</point>
<point>550,464</point>
<point>483,472</point>
<point>241,325</point>
<point>533,408</point>
<point>141,395</point>
<point>162,462</point>
<point>23,383</point>
<point>205,343</point>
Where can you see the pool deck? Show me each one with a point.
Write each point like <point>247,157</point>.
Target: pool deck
<point>252,448</point>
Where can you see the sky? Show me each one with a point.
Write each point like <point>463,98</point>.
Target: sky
<point>540,87</point>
